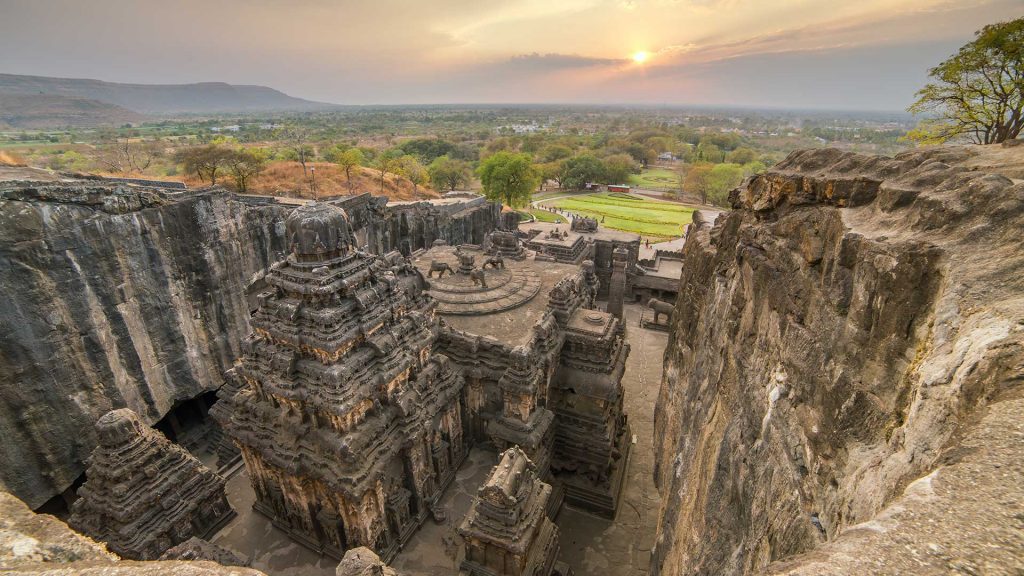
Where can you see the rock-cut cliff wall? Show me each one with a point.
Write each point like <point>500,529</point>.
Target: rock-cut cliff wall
<point>842,334</point>
<point>114,296</point>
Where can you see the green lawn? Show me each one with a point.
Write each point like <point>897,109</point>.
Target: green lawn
<point>655,179</point>
<point>545,216</point>
<point>630,213</point>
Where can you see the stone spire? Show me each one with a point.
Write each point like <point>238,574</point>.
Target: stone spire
<point>507,531</point>
<point>145,494</point>
<point>347,423</point>
<point>617,285</point>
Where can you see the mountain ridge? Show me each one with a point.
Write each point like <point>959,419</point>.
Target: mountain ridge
<point>161,99</point>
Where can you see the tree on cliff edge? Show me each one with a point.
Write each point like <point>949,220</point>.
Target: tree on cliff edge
<point>978,93</point>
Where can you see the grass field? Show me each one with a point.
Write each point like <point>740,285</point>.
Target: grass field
<point>630,214</point>
<point>655,179</point>
<point>545,216</point>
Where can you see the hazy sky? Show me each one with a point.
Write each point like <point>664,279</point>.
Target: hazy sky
<point>864,54</point>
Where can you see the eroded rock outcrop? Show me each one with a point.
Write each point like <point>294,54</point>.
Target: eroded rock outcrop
<point>838,336</point>
<point>40,544</point>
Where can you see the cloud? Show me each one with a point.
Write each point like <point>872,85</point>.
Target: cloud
<point>549,62</point>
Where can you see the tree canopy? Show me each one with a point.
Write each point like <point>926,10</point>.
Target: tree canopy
<point>618,167</point>
<point>448,173</point>
<point>509,177</point>
<point>978,93</point>
<point>348,161</point>
<point>427,149</point>
<point>578,171</point>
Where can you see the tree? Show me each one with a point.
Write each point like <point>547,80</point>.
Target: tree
<point>755,167</point>
<point>125,156</point>
<point>387,162</point>
<point>334,152</point>
<point>642,154</point>
<point>721,180</point>
<point>708,151</point>
<point>428,149</point>
<point>411,168</point>
<point>978,93</point>
<point>697,180</point>
<point>580,170</point>
<point>297,138</point>
<point>509,177</point>
<point>203,161</point>
<point>349,160</point>
<point>448,174</point>
<point>555,152</point>
<point>618,167</point>
<point>551,171</point>
<point>244,165</point>
<point>741,155</point>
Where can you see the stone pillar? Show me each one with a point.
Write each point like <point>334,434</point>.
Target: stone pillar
<point>617,287</point>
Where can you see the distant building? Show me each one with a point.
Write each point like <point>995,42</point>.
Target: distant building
<point>624,188</point>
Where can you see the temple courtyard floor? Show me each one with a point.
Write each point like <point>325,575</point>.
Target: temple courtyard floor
<point>591,545</point>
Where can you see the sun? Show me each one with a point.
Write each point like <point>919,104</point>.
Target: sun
<point>640,57</point>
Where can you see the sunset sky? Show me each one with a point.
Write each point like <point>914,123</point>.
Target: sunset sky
<point>866,54</point>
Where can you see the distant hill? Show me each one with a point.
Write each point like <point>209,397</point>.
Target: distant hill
<point>159,99</point>
<point>36,111</point>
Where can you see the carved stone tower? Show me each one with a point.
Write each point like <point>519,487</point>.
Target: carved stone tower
<point>145,494</point>
<point>347,423</point>
<point>507,531</point>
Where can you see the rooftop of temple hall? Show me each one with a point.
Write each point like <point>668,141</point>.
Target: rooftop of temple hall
<point>516,297</point>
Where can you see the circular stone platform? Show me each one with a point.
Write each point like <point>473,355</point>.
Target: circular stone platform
<point>456,294</point>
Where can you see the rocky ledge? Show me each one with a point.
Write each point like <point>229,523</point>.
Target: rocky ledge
<point>843,384</point>
<point>36,544</point>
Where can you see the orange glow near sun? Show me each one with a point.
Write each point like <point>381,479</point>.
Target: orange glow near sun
<point>640,57</point>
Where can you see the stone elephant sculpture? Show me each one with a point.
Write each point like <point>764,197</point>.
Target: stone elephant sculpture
<point>660,308</point>
<point>440,268</point>
<point>478,277</point>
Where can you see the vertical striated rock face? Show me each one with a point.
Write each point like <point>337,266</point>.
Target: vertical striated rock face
<point>835,336</point>
<point>114,296</point>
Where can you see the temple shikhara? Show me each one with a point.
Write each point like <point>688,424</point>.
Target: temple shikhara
<point>348,423</point>
<point>367,379</point>
<point>145,494</point>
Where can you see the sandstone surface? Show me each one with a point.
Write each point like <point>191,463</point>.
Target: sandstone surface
<point>844,373</point>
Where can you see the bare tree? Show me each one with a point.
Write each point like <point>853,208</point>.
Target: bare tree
<point>126,157</point>
<point>298,142</point>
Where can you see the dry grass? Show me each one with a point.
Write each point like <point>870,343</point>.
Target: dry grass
<point>287,179</point>
<point>11,159</point>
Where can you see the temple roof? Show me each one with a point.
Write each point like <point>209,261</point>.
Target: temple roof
<point>318,230</point>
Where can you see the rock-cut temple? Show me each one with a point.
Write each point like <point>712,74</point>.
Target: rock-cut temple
<point>347,423</point>
<point>366,381</point>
